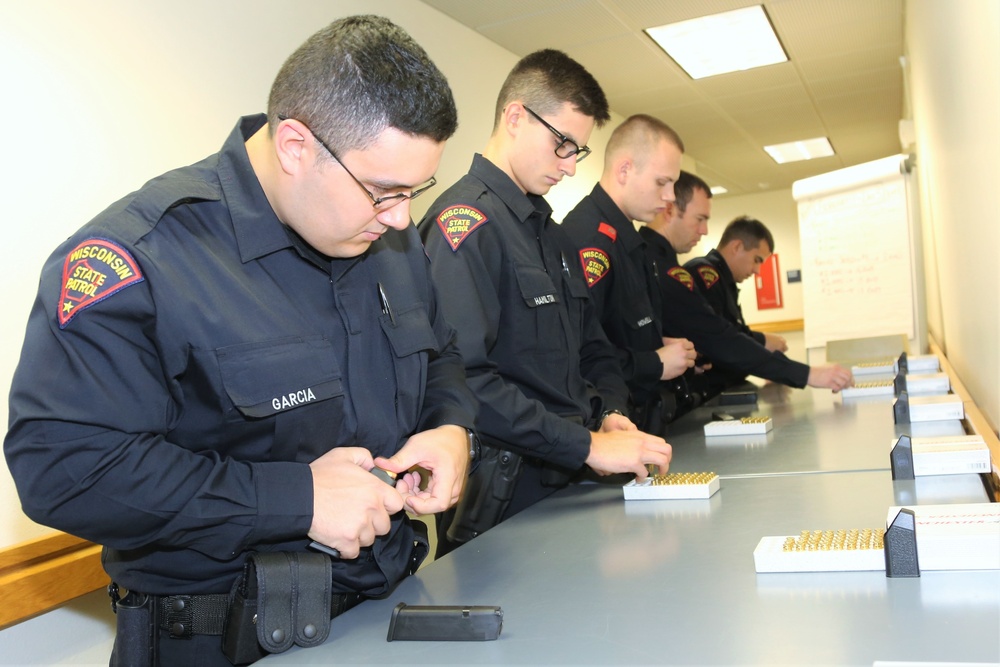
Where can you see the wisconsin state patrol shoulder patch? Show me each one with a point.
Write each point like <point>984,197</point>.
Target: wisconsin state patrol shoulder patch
<point>457,222</point>
<point>93,271</point>
<point>709,276</point>
<point>681,275</point>
<point>596,264</point>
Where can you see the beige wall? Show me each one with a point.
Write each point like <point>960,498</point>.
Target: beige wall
<point>953,67</point>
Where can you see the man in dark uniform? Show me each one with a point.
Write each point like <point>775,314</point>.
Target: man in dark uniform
<point>686,313</point>
<point>215,363</point>
<point>641,163</point>
<point>745,245</point>
<point>535,357</point>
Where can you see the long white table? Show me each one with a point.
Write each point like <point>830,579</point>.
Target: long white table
<point>585,578</point>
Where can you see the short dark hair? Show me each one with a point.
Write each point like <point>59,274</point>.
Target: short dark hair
<point>547,79</point>
<point>749,231</point>
<point>684,189</point>
<point>359,76</point>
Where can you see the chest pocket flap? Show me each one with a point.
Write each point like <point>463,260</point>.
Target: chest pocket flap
<point>411,333</point>
<point>536,286</point>
<point>265,378</point>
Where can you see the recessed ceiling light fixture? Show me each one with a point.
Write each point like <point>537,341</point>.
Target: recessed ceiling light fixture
<point>718,190</point>
<point>794,151</point>
<point>720,43</point>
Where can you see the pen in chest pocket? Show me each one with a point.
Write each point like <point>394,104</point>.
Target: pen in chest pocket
<point>386,306</point>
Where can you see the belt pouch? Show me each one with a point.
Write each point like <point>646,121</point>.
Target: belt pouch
<point>283,599</point>
<point>239,636</point>
<point>135,639</point>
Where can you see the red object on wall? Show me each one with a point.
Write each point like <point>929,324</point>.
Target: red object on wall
<point>768,284</point>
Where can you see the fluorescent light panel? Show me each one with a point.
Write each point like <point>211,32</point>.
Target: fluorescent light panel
<point>794,151</point>
<point>720,43</point>
<point>718,190</point>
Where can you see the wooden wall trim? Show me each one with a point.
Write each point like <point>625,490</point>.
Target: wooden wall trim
<point>976,423</point>
<point>778,327</point>
<point>41,574</point>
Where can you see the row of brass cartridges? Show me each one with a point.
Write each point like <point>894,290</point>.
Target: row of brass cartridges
<point>677,478</point>
<point>836,540</point>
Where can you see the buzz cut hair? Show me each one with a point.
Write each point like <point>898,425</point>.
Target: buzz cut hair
<point>640,134</point>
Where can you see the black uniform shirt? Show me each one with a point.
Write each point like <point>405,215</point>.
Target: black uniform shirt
<point>715,282</point>
<point>533,350</point>
<point>624,292</point>
<point>686,314</point>
<point>187,357</point>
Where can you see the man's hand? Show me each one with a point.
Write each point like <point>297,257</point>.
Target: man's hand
<point>831,376</point>
<point>351,506</point>
<point>627,451</point>
<point>775,343</point>
<point>444,453</point>
<point>677,355</point>
<point>616,422</point>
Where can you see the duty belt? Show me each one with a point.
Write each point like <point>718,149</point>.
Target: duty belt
<point>186,615</point>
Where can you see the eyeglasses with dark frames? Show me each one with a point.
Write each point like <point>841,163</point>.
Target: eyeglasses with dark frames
<point>379,203</point>
<point>567,147</point>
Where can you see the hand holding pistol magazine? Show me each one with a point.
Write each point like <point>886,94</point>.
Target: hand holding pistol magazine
<point>384,475</point>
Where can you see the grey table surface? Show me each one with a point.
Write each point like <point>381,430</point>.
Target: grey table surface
<point>585,578</point>
<point>813,431</point>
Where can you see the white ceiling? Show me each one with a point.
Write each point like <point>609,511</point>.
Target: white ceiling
<point>843,79</point>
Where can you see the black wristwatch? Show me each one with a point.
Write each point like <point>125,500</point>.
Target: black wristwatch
<point>474,446</point>
<point>604,415</point>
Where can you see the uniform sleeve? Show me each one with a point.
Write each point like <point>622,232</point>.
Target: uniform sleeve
<point>90,409</point>
<point>468,281</point>
<point>600,365</point>
<point>686,314</point>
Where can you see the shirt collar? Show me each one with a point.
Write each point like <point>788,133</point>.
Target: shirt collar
<point>721,265</point>
<point>258,230</point>
<point>522,205</point>
<point>660,242</point>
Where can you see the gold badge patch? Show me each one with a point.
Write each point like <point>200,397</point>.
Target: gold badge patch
<point>457,222</point>
<point>709,276</point>
<point>681,275</point>
<point>596,264</point>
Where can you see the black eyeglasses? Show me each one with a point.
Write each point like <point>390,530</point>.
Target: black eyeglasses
<point>567,147</point>
<point>379,203</point>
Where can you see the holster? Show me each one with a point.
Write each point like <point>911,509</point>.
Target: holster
<point>283,598</point>
<point>487,495</point>
<point>136,636</point>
